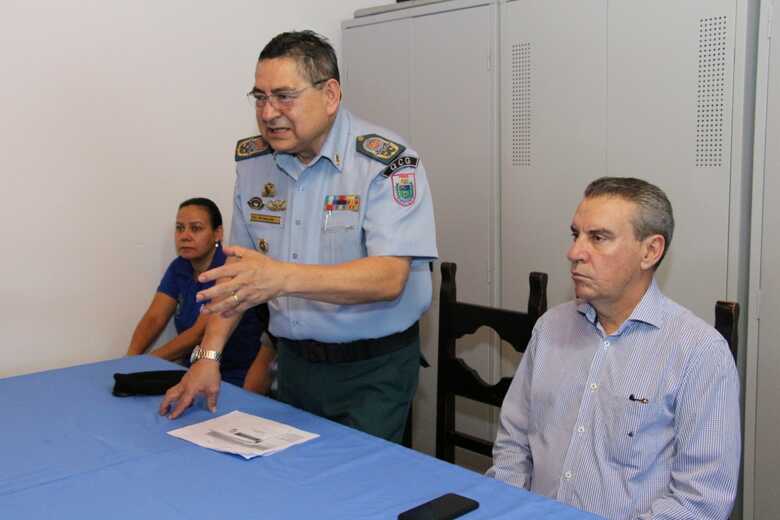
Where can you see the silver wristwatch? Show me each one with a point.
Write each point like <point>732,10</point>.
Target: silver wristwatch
<point>199,353</point>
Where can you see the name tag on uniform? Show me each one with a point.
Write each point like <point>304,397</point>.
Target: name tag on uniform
<point>266,219</point>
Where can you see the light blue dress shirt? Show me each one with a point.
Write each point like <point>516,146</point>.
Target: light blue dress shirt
<point>643,423</point>
<point>305,231</point>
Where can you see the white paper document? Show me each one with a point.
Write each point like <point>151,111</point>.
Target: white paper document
<point>243,434</point>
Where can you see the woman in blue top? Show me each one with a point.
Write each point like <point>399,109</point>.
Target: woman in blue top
<point>198,232</point>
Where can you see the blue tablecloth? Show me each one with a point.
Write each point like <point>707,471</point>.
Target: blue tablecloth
<point>71,450</point>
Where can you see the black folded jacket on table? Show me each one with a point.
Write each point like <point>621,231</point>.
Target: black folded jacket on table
<point>155,382</point>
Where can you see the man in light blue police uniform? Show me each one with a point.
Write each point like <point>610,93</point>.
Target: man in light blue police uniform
<point>335,225</point>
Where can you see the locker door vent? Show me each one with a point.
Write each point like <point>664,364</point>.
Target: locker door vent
<point>521,104</point>
<point>711,91</point>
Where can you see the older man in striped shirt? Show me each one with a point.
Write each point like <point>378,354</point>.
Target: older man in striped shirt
<point>625,404</point>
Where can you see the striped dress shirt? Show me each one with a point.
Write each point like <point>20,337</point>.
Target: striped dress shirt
<point>640,424</point>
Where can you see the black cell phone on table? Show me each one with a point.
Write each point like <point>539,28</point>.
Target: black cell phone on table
<point>446,507</point>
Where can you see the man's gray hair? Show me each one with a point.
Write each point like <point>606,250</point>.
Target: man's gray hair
<point>654,215</point>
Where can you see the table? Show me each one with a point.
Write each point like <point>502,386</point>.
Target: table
<point>71,450</point>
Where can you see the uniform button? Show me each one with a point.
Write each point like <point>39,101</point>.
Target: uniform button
<point>295,255</point>
<point>298,222</point>
<point>567,475</point>
<point>594,386</point>
<point>581,429</point>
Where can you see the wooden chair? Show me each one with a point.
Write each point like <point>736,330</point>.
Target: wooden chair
<point>455,377</point>
<point>727,323</point>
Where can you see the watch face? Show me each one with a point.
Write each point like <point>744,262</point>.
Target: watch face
<point>195,355</point>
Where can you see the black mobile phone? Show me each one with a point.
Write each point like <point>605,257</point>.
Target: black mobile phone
<point>446,507</point>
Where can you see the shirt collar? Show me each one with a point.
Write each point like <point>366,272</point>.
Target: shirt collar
<point>334,148</point>
<point>219,257</point>
<point>649,310</point>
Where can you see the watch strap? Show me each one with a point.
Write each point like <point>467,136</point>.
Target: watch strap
<point>201,353</point>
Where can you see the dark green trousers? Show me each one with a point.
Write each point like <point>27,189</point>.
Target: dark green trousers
<point>373,396</point>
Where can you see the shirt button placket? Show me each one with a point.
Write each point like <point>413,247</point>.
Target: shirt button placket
<point>294,235</point>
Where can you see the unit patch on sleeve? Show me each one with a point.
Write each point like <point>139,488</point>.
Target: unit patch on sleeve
<point>404,188</point>
<point>401,162</point>
<point>251,147</point>
<point>379,148</point>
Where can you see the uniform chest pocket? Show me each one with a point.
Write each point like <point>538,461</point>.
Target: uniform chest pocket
<point>628,424</point>
<point>341,239</point>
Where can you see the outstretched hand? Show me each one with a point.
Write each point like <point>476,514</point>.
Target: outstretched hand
<point>249,278</point>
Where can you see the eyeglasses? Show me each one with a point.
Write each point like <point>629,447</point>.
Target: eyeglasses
<point>279,100</point>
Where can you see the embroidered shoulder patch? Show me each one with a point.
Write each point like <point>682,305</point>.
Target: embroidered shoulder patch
<point>401,162</point>
<point>251,147</point>
<point>404,188</point>
<point>379,148</point>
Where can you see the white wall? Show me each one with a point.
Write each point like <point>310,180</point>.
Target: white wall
<point>111,113</point>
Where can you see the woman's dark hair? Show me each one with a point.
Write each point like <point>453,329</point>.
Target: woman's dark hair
<point>215,217</point>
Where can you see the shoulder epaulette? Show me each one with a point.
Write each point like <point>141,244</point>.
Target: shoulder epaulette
<point>251,147</point>
<point>379,148</point>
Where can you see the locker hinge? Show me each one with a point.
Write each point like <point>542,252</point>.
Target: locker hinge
<point>770,12</point>
<point>757,304</point>
<point>490,60</point>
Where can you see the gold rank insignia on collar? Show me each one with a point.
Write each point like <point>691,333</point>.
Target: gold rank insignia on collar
<point>252,147</point>
<point>380,148</point>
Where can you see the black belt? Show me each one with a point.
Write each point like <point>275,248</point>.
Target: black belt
<point>360,350</point>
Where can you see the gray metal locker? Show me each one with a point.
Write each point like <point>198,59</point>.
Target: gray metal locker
<point>628,89</point>
<point>762,419</point>
<point>553,122</point>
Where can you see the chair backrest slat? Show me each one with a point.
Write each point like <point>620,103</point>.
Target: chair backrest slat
<point>455,377</point>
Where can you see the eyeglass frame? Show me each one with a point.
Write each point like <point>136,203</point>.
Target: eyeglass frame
<point>279,104</point>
